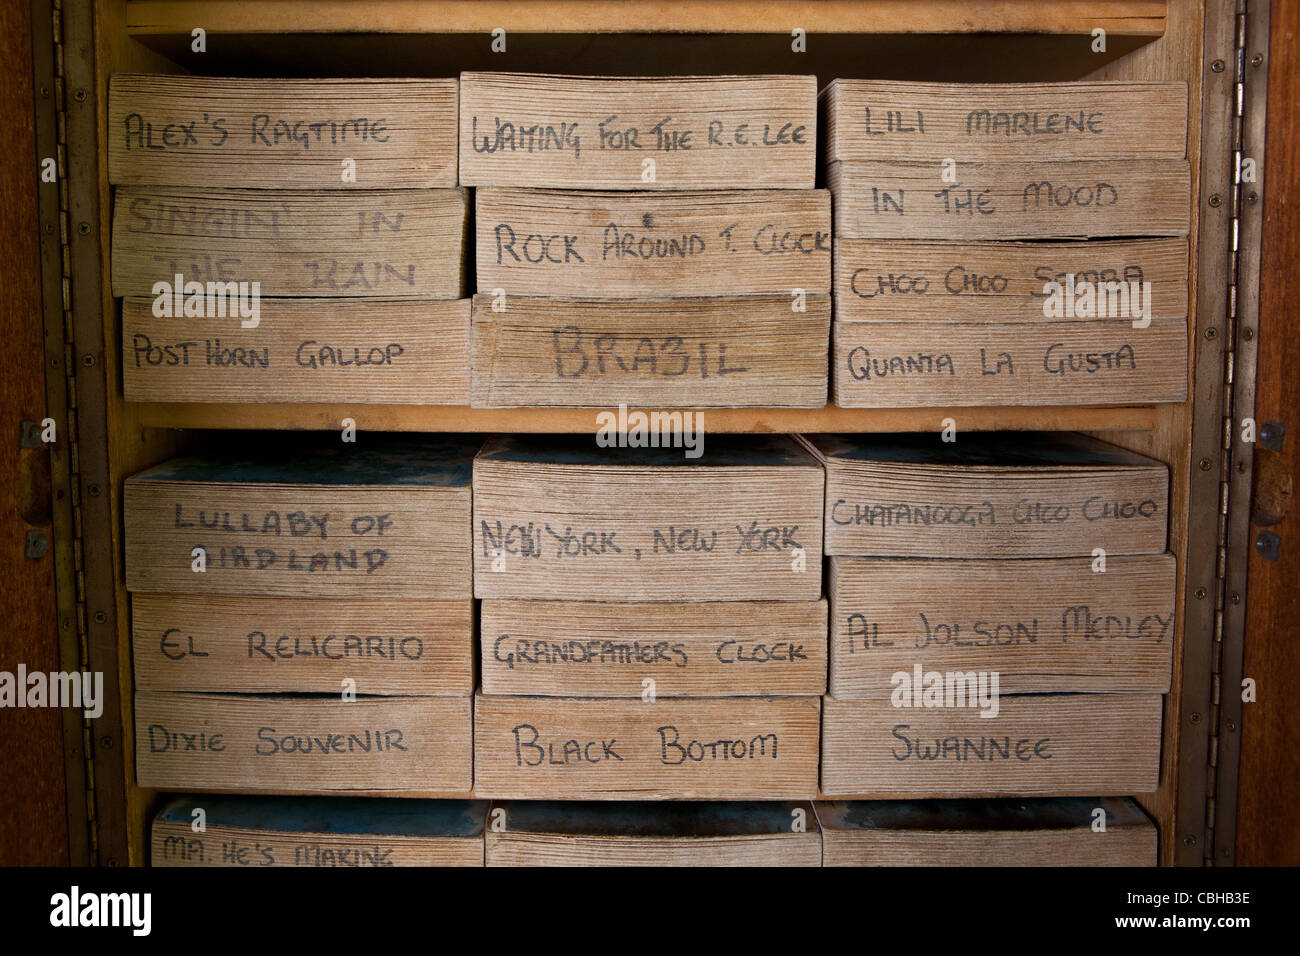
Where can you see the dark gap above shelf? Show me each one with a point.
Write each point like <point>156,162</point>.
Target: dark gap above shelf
<point>980,57</point>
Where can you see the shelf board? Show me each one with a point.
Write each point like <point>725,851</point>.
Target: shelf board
<point>443,418</point>
<point>1122,17</point>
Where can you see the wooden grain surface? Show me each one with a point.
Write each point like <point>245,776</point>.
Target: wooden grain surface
<point>1026,838</point>
<point>733,242</point>
<point>767,420</point>
<point>388,242</point>
<point>1004,122</point>
<point>1121,17</point>
<point>693,508</point>
<point>362,351</point>
<point>607,649</point>
<point>246,644</point>
<point>1005,513</point>
<point>305,744</point>
<point>1268,821</point>
<point>668,749</point>
<point>1047,200</point>
<point>995,281</point>
<point>1077,744</point>
<point>549,849</point>
<point>33,819</point>
<point>175,845</point>
<point>701,132</point>
<point>266,133</point>
<point>424,553</point>
<point>1181,55</point>
<point>697,352</point>
<point>1044,625</point>
<point>1051,362</point>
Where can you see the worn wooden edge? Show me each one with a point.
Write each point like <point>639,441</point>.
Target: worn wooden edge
<point>1124,17</point>
<point>445,418</point>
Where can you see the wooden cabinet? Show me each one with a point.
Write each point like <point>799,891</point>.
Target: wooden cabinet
<point>105,438</point>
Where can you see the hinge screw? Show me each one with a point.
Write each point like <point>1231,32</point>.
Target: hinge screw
<point>1205,464</point>
<point>1199,594</point>
<point>1236,598</point>
<point>112,861</point>
<point>1216,201</point>
<point>94,490</point>
<point>107,742</point>
<point>1189,841</point>
<point>1247,334</point>
<point>84,228</point>
<point>1211,333</point>
<point>1252,197</point>
<point>100,617</point>
<point>1232,725</point>
<point>1195,718</point>
<point>38,543</point>
<point>88,360</point>
<point>80,95</point>
<point>1257,59</point>
<point>1217,66</point>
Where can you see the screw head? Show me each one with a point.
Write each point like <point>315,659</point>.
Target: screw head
<point>1216,200</point>
<point>1211,333</point>
<point>1252,197</point>
<point>38,543</point>
<point>1257,59</point>
<point>79,95</point>
<point>88,360</point>
<point>1232,725</point>
<point>1247,334</point>
<point>107,742</point>
<point>1189,841</point>
<point>84,228</point>
<point>1217,66</point>
<point>100,617</point>
<point>1199,594</point>
<point>1205,464</point>
<point>1195,718</point>
<point>1236,598</point>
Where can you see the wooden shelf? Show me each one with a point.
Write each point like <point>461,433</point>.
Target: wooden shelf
<point>442,418</point>
<point>1122,17</point>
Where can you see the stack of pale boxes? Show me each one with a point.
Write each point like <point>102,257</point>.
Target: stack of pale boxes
<point>652,622</point>
<point>301,608</point>
<point>652,630</point>
<point>1002,605</point>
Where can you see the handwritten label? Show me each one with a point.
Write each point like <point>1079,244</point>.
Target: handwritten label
<point>879,200</point>
<point>875,119</point>
<point>1048,362</point>
<point>581,132</point>
<point>388,242</point>
<point>726,243</point>
<point>206,131</point>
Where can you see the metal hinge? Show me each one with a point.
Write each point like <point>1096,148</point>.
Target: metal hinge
<point>1240,321</point>
<point>70,430</point>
